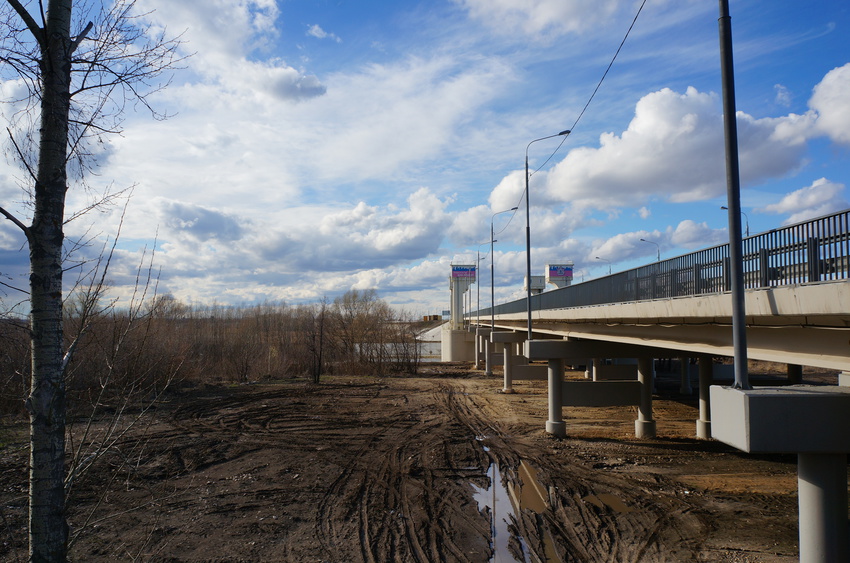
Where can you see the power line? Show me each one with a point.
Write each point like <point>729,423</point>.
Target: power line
<point>595,90</point>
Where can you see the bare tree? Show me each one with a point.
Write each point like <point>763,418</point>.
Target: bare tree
<point>81,74</point>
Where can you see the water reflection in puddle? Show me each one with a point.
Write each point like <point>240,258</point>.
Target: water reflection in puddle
<point>521,493</point>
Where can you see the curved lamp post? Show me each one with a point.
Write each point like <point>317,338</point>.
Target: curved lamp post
<point>746,219</point>
<point>528,228</point>
<point>658,249</point>
<point>492,259</point>
<point>606,260</point>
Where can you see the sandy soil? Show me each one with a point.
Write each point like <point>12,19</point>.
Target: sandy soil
<point>374,470</point>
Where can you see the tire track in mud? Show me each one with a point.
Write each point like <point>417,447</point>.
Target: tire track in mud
<point>582,527</point>
<point>407,506</point>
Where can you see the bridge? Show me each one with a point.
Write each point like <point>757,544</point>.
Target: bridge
<point>797,303</point>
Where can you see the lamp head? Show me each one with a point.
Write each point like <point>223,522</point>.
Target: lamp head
<point>564,132</point>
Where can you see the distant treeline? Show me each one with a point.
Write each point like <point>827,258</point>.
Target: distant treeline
<point>121,354</point>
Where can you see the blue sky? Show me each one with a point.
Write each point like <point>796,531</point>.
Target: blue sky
<point>322,146</point>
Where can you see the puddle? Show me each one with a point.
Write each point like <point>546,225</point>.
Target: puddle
<point>523,492</point>
<point>608,500</point>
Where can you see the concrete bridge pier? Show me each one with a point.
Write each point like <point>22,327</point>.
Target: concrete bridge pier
<point>556,425</point>
<point>645,425</point>
<point>488,358</point>
<point>822,494</point>
<point>509,340</point>
<point>706,375</point>
<point>795,374</point>
<point>685,367</point>
<point>814,423</point>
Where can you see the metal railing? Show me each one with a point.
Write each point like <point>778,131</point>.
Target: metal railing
<point>811,251</point>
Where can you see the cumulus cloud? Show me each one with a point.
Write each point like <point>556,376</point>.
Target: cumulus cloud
<point>820,198</point>
<point>673,149</point>
<point>830,101</point>
<point>362,237</point>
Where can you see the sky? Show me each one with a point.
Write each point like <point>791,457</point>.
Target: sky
<point>314,147</point>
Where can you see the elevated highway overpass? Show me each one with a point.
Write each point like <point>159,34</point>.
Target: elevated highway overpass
<point>797,303</point>
<point>797,300</point>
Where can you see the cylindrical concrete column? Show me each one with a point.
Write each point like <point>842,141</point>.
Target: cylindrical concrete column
<point>685,367</point>
<point>706,375</point>
<point>588,369</point>
<point>477,348</point>
<point>596,363</point>
<point>508,365</point>
<point>555,425</point>
<point>488,352</point>
<point>822,490</point>
<point>644,425</point>
<point>795,374</point>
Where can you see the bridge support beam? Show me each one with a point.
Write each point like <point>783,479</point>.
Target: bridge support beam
<point>556,425</point>
<point>645,425</point>
<point>706,375</point>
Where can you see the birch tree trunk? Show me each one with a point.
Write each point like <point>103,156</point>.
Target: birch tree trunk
<point>48,528</point>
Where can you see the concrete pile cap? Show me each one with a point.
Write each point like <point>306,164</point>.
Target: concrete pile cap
<point>790,419</point>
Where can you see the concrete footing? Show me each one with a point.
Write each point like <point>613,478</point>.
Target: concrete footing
<point>814,423</point>
<point>704,429</point>
<point>557,429</point>
<point>645,429</point>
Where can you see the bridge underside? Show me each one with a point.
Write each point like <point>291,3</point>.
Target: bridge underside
<point>788,324</point>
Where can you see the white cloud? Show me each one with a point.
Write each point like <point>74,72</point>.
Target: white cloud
<point>783,95</point>
<point>540,19</point>
<point>673,149</point>
<point>225,36</point>
<point>690,234</point>
<point>831,101</point>
<point>319,33</point>
<point>820,198</point>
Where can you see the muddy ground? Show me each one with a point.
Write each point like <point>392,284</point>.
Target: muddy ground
<point>396,469</point>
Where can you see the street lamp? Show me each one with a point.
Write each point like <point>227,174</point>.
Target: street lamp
<point>746,219</point>
<point>478,278</point>
<point>609,264</point>
<point>528,228</point>
<point>658,249</point>
<point>492,259</point>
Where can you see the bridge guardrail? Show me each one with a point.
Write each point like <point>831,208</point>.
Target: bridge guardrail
<point>810,251</point>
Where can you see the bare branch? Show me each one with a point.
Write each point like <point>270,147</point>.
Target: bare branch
<point>4,284</point>
<point>15,220</point>
<point>34,28</point>
<point>21,154</point>
<point>79,39</point>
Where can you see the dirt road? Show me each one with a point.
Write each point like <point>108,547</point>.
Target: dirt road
<point>360,469</point>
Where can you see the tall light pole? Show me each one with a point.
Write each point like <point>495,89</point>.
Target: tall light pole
<point>528,228</point>
<point>609,263</point>
<point>478,278</point>
<point>492,276</point>
<point>657,248</point>
<point>733,198</point>
<point>746,219</point>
